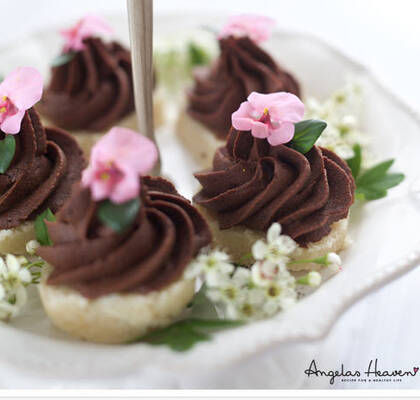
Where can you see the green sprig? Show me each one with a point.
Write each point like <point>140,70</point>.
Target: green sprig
<point>373,183</point>
<point>323,260</point>
<point>118,216</point>
<point>202,321</point>
<point>197,55</point>
<point>306,134</point>
<point>41,231</point>
<point>63,59</point>
<point>183,335</point>
<point>7,152</point>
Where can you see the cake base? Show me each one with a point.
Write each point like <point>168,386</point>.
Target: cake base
<point>199,141</point>
<point>115,318</point>
<point>238,240</point>
<point>14,240</point>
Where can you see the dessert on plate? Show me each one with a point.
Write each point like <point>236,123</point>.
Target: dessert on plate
<point>270,171</point>
<point>242,67</point>
<point>38,165</point>
<point>120,246</point>
<point>91,85</point>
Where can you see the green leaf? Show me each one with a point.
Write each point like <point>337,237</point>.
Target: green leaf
<point>183,335</point>
<point>307,133</point>
<point>197,55</point>
<point>374,183</point>
<point>118,216</point>
<point>373,174</point>
<point>387,181</point>
<point>355,162</point>
<point>63,59</point>
<point>41,231</point>
<point>366,193</point>
<point>7,152</point>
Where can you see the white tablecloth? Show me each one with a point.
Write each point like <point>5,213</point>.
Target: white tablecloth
<point>385,36</point>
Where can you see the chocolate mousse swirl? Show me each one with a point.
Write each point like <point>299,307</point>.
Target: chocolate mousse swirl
<point>255,184</point>
<point>46,164</point>
<point>91,258</point>
<point>242,68</point>
<point>93,90</point>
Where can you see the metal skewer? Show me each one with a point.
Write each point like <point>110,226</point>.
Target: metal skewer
<point>140,20</point>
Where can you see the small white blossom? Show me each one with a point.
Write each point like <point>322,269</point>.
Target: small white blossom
<point>22,260</point>
<point>31,246</point>
<point>348,122</point>
<point>15,275</point>
<point>12,274</point>
<point>242,277</point>
<point>341,111</point>
<point>263,290</point>
<point>334,262</point>
<point>273,306</point>
<point>7,310</point>
<point>215,266</point>
<point>243,295</point>
<point>314,279</point>
<point>287,302</point>
<point>276,248</point>
<point>264,272</point>
<point>227,291</point>
<point>248,306</point>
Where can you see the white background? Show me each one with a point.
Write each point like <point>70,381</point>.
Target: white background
<point>383,35</point>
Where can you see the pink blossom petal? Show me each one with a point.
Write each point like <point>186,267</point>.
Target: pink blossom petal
<point>259,130</point>
<point>88,26</point>
<point>289,108</point>
<point>263,98</point>
<point>257,28</point>
<point>128,149</point>
<point>11,125</point>
<point>100,189</point>
<point>126,189</point>
<point>271,116</point>
<point>259,101</point>
<point>72,43</point>
<point>93,24</point>
<point>281,135</point>
<point>117,162</point>
<point>23,86</point>
<point>88,176</point>
<point>242,124</point>
<point>241,118</point>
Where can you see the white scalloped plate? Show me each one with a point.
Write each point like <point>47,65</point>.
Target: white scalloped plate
<point>385,232</point>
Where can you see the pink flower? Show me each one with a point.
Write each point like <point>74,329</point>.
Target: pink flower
<point>271,116</point>
<point>19,91</point>
<point>86,27</point>
<point>256,27</point>
<point>116,163</point>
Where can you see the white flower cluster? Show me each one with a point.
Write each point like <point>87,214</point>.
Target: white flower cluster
<point>174,60</point>
<point>342,112</point>
<point>16,273</point>
<point>262,290</point>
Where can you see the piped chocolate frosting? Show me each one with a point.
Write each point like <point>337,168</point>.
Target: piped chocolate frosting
<point>243,67</point>
<point>46,164</point>
<point>92,91</point>
<point>154,252</point>
<point>255,184</point>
